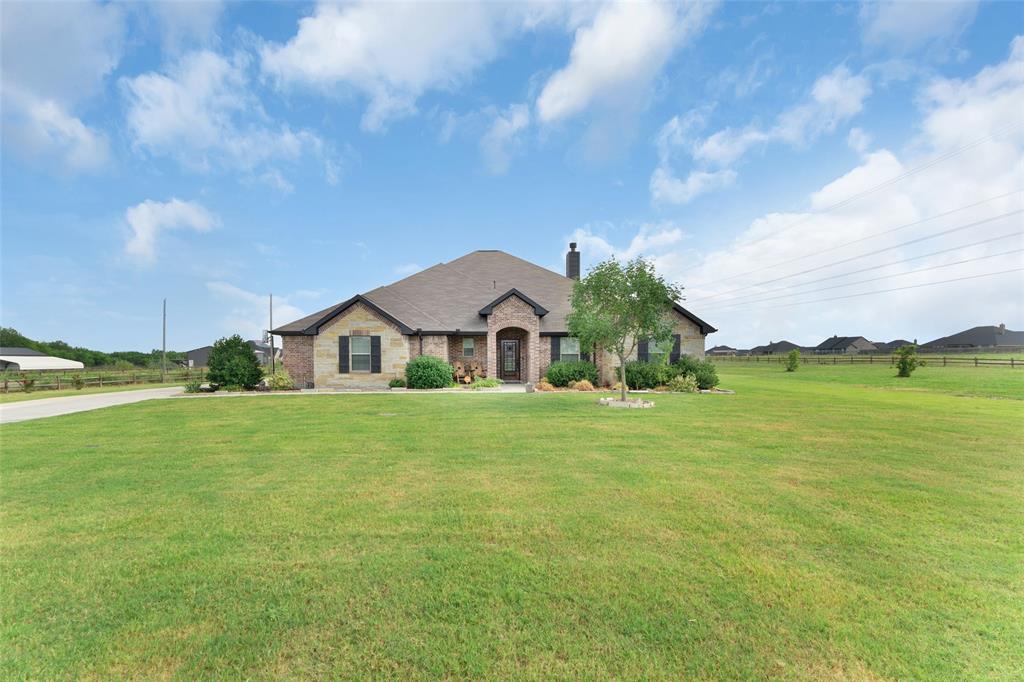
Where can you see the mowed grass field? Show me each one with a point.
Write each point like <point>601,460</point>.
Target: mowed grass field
<point>817,525</point>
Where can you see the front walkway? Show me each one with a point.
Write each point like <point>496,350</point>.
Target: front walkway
<point>52,407</point>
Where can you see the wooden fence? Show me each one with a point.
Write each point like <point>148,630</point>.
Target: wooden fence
<point>56,381</point>
<point>890,360</point>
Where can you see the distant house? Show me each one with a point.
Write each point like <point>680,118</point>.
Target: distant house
<point>989,336</point>
<point>200,357</point>
<point>774,348</point>
<point>17,359</point>
<point>892,346</point>
<point>845,344</point>
<point>721,350</point>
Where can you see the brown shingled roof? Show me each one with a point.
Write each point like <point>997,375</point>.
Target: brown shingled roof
<point>450,296</point>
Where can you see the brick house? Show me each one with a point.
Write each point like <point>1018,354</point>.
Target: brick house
<point>487,307</point>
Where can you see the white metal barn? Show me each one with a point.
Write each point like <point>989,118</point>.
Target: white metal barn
<point>26,359</point>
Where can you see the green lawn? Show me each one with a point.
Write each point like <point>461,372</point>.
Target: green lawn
<point>813,526</point>
<point>63,393</point>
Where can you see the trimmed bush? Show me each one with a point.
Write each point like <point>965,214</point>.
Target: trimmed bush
<point>646,375</point>
<point>233,363</point>
<point>280,381</point>
<point>684,383</point>
<point>702,370</point>
<point>483,382</point>
<point>706,375</point>
<point>426,371</point>
<point>397,382</point>
<point>561,373</point>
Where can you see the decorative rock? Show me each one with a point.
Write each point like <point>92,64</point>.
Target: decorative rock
<point>615,402</point>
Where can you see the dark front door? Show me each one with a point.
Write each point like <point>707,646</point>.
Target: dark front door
<point>509,367</point>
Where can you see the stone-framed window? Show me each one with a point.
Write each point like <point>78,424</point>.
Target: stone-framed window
<point>569,349</point>
<point>657,352</point>
<point>468,346</point>
<point>360,351</point>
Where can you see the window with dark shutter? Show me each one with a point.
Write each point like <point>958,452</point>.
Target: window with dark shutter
<point>374,355</point>
<point>342,355</point>
<point>676,345</point>
<point>641,351</point>
<point>555,349</point>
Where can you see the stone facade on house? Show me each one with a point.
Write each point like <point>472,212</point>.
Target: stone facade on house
<point>489,296</point>
<point>359,320</point>
<point>691,342</point>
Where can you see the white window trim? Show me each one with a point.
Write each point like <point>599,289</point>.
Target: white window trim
<point>471,349</point>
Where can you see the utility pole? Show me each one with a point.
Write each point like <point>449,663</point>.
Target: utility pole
<point>273,360</point>
<point>163,353</point>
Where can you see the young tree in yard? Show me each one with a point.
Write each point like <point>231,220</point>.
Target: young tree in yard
<point>793,360</point>
<point>615,306</point>
<point>907,361</point>
<point>233,363</point>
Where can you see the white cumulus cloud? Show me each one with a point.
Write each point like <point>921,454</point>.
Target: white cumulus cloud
<point>391,52</point>
<point>902,26</point>
<point>247,311</point>
<point>55,57</point>
<point>615,58</point>
<point>498,143</point>
<point>150,218</point>
<point>202,112</point>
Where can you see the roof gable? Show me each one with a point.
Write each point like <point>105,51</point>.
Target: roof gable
<point>540,310</point>
<point>453,296</point>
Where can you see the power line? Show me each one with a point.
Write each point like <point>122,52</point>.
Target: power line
<point>871,190</point>
<point>911,286</point>
<point>876,279</point>
<point>866,238</point>
<point>886,265</point>
<point>864,255</point>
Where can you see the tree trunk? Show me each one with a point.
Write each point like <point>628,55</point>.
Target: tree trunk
<point>622,376</point>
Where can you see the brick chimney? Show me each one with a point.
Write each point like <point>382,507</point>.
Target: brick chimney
<point>572,262</point>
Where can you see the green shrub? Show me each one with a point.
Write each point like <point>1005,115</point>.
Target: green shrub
<point>648,375</point>
<point>793,360</point>
<point>233,363</point>
<point>684,383</point>
<point>562,372</point>
<point>397,382</point>
<point>193,386</point>
<point>483,382</point>
<point>426,371</point>
<point>907,361</point>
<point>280,381</point>
<point>77,382</point>
<point>705,374</point>
<point>685,365</point>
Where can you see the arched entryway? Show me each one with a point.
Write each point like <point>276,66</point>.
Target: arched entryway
<point>512,352</point>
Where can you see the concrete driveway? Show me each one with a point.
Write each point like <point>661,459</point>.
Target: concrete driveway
<point>52,407</point>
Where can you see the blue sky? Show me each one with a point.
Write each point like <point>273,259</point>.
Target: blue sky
<point>213,152</point>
